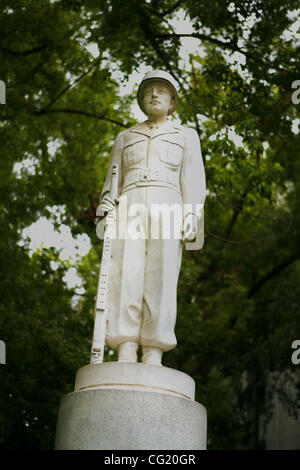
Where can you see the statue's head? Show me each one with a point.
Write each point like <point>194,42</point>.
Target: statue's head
<point>157,93</point>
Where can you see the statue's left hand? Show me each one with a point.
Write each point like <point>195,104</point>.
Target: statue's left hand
<point>106,205</point>
<point>189,228</point>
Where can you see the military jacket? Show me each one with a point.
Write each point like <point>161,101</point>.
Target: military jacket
<point>169,156</point>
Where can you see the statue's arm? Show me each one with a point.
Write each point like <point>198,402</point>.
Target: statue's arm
<point>193,182</point>
<point>115,158</point>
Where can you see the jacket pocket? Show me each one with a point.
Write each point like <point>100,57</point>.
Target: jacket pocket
<point>171,150</point>
<point>134,150</point>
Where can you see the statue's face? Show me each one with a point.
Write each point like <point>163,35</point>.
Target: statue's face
<point>157,99</point>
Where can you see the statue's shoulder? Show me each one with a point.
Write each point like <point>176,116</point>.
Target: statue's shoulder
<point>138,126</point>
<point>119,139</point>
<point>191,135</point>
<point>186,131</point>
<point>189,130</point>
<point>127,133</point>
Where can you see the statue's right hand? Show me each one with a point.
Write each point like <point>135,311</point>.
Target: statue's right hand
<point>107,204</point>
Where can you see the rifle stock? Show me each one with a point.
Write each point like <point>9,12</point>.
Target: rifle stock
<point>97,351</point>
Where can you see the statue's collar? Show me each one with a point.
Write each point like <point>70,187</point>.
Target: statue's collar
<point>167,128</point>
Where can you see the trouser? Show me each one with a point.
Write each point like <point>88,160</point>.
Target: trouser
<point>142,295</point>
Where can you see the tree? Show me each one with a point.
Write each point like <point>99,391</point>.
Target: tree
<point>238,298</point>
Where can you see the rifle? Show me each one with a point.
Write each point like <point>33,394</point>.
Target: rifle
<point>97,351</point>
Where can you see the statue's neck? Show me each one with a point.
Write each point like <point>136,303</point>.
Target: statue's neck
<point>157,120</point>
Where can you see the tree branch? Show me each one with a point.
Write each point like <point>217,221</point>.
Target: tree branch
<point>271,274</point>
<point>24,53</point>
<point>277,299</point>
<point>251,240</point>
<point>145,21</point>
<point>236,214</point>
<point>67,88</point>
<point>173,8</point>
<point>242,211</point>
<point>205,37</point>
<point>101,117</point>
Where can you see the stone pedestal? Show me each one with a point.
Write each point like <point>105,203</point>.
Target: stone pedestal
<point>118,406</point>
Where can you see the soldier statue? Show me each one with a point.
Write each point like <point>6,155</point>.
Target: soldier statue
<point>159,163</point>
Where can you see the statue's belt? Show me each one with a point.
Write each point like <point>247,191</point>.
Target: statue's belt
<point>139,177</point>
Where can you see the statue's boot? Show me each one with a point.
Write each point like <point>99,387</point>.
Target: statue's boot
<point>127,352</point>
<point>152,356</point>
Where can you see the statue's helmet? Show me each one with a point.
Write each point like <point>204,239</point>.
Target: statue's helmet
<point>158,76</point>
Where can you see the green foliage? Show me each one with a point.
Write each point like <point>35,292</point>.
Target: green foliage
<point>238,308</point>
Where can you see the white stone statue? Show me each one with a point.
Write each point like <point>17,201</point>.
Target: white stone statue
<point>161,178</point>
